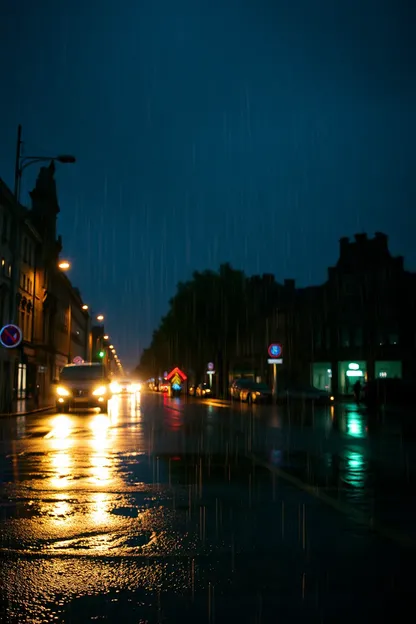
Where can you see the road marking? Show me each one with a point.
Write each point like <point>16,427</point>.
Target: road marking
<point>358,516</point>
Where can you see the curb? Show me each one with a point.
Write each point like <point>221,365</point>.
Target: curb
<point>28,413</point>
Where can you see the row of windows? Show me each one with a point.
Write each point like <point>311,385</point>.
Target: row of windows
<point>25,323</point>
<point>26,283</point>
<point>354,338</point>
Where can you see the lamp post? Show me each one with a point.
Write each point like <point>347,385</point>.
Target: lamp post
<point>21,163</point>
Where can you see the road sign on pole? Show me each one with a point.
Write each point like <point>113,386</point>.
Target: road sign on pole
<point>275,350</point>
<point>11,336</point>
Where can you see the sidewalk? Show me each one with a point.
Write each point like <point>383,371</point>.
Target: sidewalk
<point>24,407</point>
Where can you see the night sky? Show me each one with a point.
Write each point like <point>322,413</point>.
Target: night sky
<point>251,131</point>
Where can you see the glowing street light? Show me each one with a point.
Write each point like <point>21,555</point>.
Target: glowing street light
<point>111,347</point>
<point>64,265</point>
<point>100,318</point>
<point>106,337</point>
<point>85,307</point>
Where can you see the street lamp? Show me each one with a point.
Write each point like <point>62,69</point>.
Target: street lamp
<point>25,161</point>
<point>21,163</point>
<point>100,318</point>
<point>106,337</point>
<point>85,307</point>
<point>64,265</point>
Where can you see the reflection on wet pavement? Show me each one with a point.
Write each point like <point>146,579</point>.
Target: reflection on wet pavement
<point>154,509</point>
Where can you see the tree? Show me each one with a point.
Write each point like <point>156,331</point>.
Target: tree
<point>211,317</point>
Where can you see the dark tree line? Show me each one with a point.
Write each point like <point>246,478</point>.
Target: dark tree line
<point>210,318</point>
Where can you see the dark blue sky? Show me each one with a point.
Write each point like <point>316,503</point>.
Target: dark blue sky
<point>251,131</point>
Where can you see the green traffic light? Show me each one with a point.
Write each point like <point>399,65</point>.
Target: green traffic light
<point>101,354</point>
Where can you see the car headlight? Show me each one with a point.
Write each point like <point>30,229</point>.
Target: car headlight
<point>100,391</point>
<point>61,391</point>
<point>114,387</point>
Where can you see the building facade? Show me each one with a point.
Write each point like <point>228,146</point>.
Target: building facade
<point>36,296</point>
<point>359,324</point>
<point>7,224</point>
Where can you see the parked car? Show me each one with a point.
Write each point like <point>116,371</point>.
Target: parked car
<point>237,385</point>
<point>256,393</point>
<point>203,390</point>
<point>298,392</point>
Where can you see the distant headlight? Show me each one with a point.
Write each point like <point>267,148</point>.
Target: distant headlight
<point>331,398</point>
<point>61,391</point>
<point>114,387</point>
<point>100,391</point>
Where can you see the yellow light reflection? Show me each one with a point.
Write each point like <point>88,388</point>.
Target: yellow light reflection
<point>61,466</point>
<point>100,462</point>
<point>100,469</point>
<point>99,426</point>
<point>61,511</point>
<point>100,508</point>
<point>114,409</point>
<point>61,428</point>
<point>60,442</point>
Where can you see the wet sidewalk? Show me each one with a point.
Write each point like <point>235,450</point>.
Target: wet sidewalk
<point>24,407</point>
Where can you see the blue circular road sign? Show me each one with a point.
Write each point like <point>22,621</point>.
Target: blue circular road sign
<point>10,336</point>
<point>275,350</point>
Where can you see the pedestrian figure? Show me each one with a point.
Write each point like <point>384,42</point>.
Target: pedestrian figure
<point>357,391</point>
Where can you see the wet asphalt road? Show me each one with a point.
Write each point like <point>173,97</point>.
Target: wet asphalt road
<point>167,510</point>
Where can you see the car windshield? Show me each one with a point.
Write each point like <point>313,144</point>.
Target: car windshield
<point>69,373</point>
